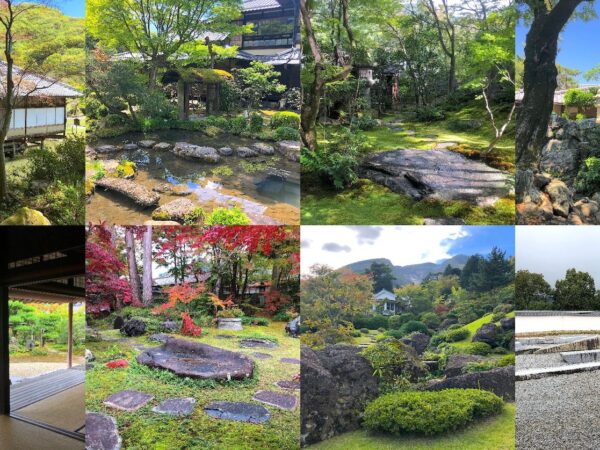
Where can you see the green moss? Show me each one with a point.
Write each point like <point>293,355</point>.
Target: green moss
<point>224,171</point>
<point>367,203</point>
<point>145,429</point>
<point>228,216</point>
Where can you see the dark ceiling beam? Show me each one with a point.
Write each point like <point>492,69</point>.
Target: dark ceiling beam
<point>66,267</point>
<point>52,287</point>
<point>27,242</point>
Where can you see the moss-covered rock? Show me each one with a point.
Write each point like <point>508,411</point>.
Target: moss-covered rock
<point>26,216</point>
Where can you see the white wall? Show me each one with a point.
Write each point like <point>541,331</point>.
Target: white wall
<point>37,117</point>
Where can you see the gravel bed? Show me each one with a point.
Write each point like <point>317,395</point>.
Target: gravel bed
<point>560,412</point>
<point>543,361</point>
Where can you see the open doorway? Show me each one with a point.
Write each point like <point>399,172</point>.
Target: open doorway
<point>42,332</point>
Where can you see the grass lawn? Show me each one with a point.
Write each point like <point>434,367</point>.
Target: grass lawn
<point>495,433</point>
<point>144,429</point>
<point>472,327</point>
<point>368,203</point>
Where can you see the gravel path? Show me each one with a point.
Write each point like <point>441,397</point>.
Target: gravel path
<point>539,361</point>
<point>33,369</point>
<point>560,412</point>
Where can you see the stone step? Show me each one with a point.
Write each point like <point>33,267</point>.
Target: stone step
<point>534,374</point>
<point>578,357</point>
<point>588,343</point>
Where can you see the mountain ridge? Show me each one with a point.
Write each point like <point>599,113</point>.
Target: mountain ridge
<point>410,273</point>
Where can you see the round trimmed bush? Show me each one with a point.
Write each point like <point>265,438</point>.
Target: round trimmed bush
<point>477,348</point>
<point>457,335</point>
<point>395,322</point>
<point>430,413</point>
<point>414,325</point>
<point>364,330</point>
<point>395,333</point>
<point>285,119</point>
<point>455,326</point>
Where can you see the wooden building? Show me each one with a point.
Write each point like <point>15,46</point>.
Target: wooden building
<point>41,106</point>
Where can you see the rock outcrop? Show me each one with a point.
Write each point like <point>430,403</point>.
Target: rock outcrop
<point>418,341</point>
<point>500,381</point>
<point>337,384</point>
<point>178,210</point>
<point>487,333</point>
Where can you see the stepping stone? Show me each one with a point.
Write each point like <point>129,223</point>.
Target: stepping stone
<point>241,412</point>
<point>101,432</point>
<point>260,355</point>
<point>288,384</point>
<point>224,336</point>
<point>290,360</point>
<point>106,149</point>
<point>263,149</point>
<point>283,401</point>
<point>129,147</point>
<point>257,343</point>
<point>245,152</point>
<point>136,192</point>
<point>128,400</point>
<point>444,145</point>
<point>159,337</point>
<point>162,146</point>
<point>225,151</point>
<point>148,143</point>
<point>176,406</point>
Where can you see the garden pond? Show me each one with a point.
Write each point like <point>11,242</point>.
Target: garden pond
<point>265,187</point>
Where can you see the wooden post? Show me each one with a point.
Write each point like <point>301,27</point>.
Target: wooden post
<point>598,107</point>
<point>4,355</point>
<point>70,343</point>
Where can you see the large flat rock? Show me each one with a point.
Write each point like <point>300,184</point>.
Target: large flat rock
<point>136,192</point>
<point>579,357</point>
<point>196,360</point>
<point>176,406</point>
<point>277,399</point>
<point>436,174</point>
<point>101,432</point>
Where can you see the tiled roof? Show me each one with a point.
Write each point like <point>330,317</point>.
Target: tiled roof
<point>257,5</point>
<point>29,84</point>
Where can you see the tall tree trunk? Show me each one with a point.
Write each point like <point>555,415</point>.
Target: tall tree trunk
<point>539,84</point>
<point>147,267</point>
<point>8,100</point>
<point>134,276</point>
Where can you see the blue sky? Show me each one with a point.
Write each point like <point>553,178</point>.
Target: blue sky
<point>337,246</point>
<point>578,45</point>
<point>73,8</point>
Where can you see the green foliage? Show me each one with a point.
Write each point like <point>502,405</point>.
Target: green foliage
<point>364,330</point>
<point>373,322</point>
<point>397,334</point>
<point>153,104</point>
<point>576,292</point>
<point>260,321</point>
<point>227,216</point>
<point>414,325</point>
<point>282,316</point>
<point>580,98</point>
<point>66,163</point>
<point>395,322</point>
<point>337,162</point>
<point>364,122</point>
<point>256,82</point>
<point>62,204</point>
<point>230,96</point>
<point>237,125</point>
<point>588,179</point>
<point>393,363</point>
<point>195,216</point>
<point>430,319</point>
<point>430,413</point>
<point>476,348</point>
<point>286,134</point>
<point>287,119</point>
<point>429,114</point>
<point>483,366</point>
<point>256,123</point>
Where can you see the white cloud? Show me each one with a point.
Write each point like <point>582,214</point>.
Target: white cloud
<point>400,244</point>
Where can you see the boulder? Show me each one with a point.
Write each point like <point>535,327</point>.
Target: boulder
<point>147,143</point>
<point>289,149</point>
<point>540,180</point>
<point>587,210</point>
<point>26,216</point>
<point>456,363</point>
<point>169,326</point>
<point>89,356</point>
<point>106,149</point>
<point>447,322</point>
<point>263,149</point>
<point>561,158</point>
<point>508,323</point>
<point>176,210</point>
<point>418,341</point>
<point>409,172</point>
<point>500,381</point>
<point>246,152</point>
<point>118,323</point>
<point>203,154</point>
<point>162,146</point>
<point>487,333</point>
<point>101,432</point>
<point>130,147</point>
<point>133,328</point>
<point>195,360</point>
<point>130,189</point>
<point>560,196</point>
<point>177,190</point>
<point>225,151</point>
<point>337,384</point>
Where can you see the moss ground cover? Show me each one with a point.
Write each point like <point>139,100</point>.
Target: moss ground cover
<point>144,429</point>
<point>497,432</point>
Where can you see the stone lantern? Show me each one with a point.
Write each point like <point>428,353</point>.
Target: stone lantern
<point>598,107</point>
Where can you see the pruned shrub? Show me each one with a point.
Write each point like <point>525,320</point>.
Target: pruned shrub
<point>457,335</point>
<point>286,134</point>
<point>429,114</point>
<point>256,123</point>
<point>477,348</point>
<point>285,119</point>
<point>430,413</point>
<point>395,322</point>
<point>225,216</point>
<point>414,325</point>
<point>394,362</point>
<point>364,330</point>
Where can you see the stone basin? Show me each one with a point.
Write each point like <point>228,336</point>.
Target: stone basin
<point>196,360</point>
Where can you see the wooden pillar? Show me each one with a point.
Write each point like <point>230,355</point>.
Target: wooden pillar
<point>70,339</point>
<point>4,355</point>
